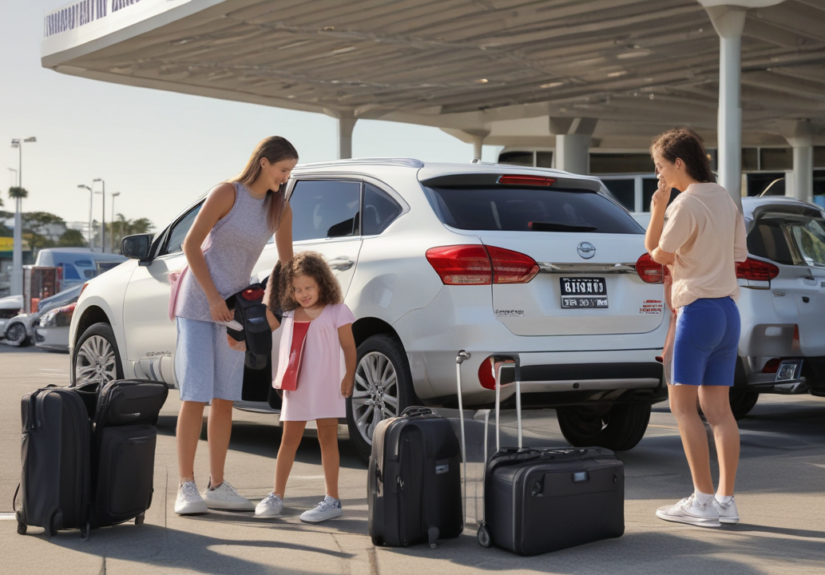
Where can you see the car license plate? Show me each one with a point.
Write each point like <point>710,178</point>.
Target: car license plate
<point>578,293</point>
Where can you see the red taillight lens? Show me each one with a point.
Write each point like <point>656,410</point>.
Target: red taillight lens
<point>517,180</point>
<point>461,265</point>
<point>511,267</point>
<point>252,294</point>
<point>649,270</point>
<point>486,373</point>
<point>772,365</point>
<point>756,270</point>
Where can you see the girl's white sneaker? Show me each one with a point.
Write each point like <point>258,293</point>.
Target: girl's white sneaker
<point>690,511</point>
<point>728,513</point>
<point>270,506</point>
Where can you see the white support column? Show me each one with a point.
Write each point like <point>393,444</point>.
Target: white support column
<point>803,168</point>
<point>729,21</point>
<point>346,124</point>
<point>573,137</point>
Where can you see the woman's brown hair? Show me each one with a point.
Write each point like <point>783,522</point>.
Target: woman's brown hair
<point>310,264</point>
<point>275,149</point>
<point>687,145</point>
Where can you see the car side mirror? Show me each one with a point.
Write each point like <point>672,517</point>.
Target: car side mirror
<point>137,247</point>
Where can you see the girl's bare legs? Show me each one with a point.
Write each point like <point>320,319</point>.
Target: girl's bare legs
<point>190,421</point>
<point>290,440</point>
<point>219,430</point>
<point>330,458</point>
<point>715,402</point>
<point>683,405</point>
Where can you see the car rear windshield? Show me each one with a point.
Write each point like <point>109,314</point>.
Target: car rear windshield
<point>789,239</point>
<point>530,209</point>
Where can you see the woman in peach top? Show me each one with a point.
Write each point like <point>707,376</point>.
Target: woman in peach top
<point>701,241</point>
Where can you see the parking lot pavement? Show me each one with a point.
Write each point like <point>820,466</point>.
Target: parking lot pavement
<point>780,497</point>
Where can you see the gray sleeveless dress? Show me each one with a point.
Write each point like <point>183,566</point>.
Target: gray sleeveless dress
<point>206,368</point>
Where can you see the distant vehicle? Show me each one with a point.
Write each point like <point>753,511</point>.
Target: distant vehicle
<point>19,331</point>
<point>10,307</point>
<point>433,259</point>
<point>51,327</point>
<point>782,301</point>
<point>79,264</point>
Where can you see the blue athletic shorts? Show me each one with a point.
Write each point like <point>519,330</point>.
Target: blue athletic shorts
<point>206,368</point>
<point>707,340</point>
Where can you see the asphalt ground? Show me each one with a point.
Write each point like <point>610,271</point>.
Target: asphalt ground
<point>779,494</point>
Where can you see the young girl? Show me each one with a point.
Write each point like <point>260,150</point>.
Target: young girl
<point>310,293</point>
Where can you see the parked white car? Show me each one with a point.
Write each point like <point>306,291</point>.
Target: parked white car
<point>782,302</point>
<point>433,259</point>
<point>10,306</point>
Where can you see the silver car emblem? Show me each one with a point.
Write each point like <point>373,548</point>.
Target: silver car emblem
<point>586,250</point>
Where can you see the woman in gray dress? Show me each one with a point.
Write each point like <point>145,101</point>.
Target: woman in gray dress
<point>227,238</point>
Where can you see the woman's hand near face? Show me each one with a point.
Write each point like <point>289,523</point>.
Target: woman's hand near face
<point>661,197</point>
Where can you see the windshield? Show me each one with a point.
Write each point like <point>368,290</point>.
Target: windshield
<point>790,239</point>
<point>530,210</point>
<point>809,237</point>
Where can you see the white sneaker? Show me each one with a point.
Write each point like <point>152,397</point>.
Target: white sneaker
<point>728,513</point>
<point>690,511</point>
<point>189,501</point>
<point>327,509</point>
<point>226,497</point>
<point>270,506</point>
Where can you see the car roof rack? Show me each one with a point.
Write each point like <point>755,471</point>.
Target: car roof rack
<point>402,162</point>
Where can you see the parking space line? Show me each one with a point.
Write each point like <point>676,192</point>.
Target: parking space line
<point>8,517</point>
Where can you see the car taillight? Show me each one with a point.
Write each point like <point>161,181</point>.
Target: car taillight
<point>461,265</point>
<point>520,180</point>
<point>772,365</point>
<point>511,267</point>
<point>252,294</point>
<point>486,373</point>
<point>649,270</point>
<point>756,270</point>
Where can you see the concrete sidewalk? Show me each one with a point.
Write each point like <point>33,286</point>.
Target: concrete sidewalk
<point>780,497</point>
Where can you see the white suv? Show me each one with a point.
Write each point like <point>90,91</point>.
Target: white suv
<point>433,259</point>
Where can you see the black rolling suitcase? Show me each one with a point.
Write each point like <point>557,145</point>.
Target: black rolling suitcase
<point>414,485</point>
<point>123,450</point>
<point>541,500</point>
<point>54,484</point>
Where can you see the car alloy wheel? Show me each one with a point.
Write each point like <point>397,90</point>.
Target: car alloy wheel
<point>16,335</point>
<point>375,394</point>
<point>95,362</point>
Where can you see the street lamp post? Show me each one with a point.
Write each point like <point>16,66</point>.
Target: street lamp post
<point>17,251</point>
<point>112,243</point>
<point>103,216</point>
<point>91,227</point>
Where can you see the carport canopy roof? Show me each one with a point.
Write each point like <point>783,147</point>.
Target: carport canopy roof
<point>496,68</point>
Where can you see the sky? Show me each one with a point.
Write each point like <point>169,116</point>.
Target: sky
<point>160,150</point>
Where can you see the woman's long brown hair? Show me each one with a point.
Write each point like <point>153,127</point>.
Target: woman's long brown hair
<point>274,149</point>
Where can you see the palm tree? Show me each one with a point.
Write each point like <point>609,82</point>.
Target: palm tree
<point>18,192</point>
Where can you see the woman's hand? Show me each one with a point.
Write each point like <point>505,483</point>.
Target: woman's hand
<point>346,386</point>
<point>219,310</point>
<point>235,344</point>
<point>661,197</point>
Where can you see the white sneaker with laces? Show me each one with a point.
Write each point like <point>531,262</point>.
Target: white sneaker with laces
<point>728,513</point>
<point>226,497</point>
<point>327,509</point>
<point>690,511</point>
<point>189,501</point>
<point>270,506</point>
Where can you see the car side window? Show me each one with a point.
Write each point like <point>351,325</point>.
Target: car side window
<point>179,230</point>
<point>380,210</point>
<point>325,209</point>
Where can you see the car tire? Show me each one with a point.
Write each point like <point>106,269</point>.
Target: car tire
<point>16,335</point>
<point>382,382</point>
<point>96,357</point>
<point>619,428</point>
<point>742,401</point>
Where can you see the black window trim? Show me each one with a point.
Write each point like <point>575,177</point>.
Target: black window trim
<point>162,242</point>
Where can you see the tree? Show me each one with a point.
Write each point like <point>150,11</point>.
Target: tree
<point>18,192</point>
<point>72,239</point>
<point>122,227</point>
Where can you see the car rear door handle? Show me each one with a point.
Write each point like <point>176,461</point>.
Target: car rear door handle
<point>341,264</point>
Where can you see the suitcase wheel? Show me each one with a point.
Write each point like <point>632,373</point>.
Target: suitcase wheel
<point>51,530</point>
<point>22,528</point>
<point>85,532</point>
<point>140,519</point>
<point>377,541</point>
<point>483,535</point>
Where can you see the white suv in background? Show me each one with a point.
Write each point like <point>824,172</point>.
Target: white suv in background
<point>433,259</point>
<point>782,301</point>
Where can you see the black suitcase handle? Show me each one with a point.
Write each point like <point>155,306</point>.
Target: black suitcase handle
<point>416,411</point>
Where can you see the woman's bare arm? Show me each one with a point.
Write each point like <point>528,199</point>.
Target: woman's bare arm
<point>216,206</point>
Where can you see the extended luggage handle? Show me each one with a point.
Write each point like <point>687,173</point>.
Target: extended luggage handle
<point>500,362</point>
<point>416,411</point>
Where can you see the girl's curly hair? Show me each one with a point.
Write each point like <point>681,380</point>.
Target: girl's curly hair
<point>310,264</point>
